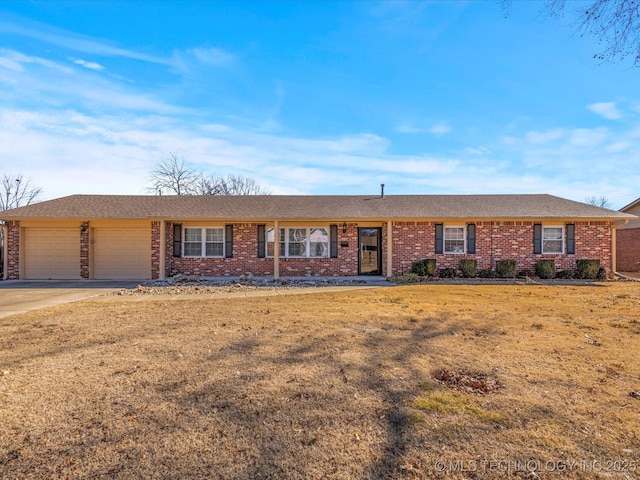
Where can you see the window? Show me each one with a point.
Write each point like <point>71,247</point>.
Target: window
<point>300,242</point>
<point>552,239</point>
<point>454,240</point>
<point>203,242</point>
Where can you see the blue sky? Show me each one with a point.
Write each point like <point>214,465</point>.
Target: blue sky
<point>315,97</point>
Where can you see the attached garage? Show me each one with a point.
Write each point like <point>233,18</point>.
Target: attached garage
<point>51,253</point>
<point>121,253</point>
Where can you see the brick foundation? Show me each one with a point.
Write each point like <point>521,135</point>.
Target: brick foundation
<point>628,250</point>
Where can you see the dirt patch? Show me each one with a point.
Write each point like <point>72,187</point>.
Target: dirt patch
<point>330,385</point>
<point>468,381</point>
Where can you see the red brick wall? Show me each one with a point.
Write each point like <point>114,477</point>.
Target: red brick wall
<point>84,250</point>
<point>155,250</point>
<point>245,257</point>
<point>13,247</point>
<point>628,250</point>
<point>498,241</point>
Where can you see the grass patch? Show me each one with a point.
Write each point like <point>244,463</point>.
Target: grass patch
<point>326,385</point>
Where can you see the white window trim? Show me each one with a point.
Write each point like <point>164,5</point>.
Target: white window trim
<point>444,239</point>
<point>203,241</point>
<point>308,229</point>
<point>562,240</point>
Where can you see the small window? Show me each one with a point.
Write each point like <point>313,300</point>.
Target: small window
<point>203,242</point>
<point>552,239</point>
<point>454,240</point>
<point>192,242</point>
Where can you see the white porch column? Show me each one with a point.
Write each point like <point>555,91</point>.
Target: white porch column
<point>276,250</point>
<point>389,248</point>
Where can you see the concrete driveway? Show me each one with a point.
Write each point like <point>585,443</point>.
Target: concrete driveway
<point>19,296</point>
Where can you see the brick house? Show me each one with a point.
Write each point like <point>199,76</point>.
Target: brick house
<point>141,237</point>
<point>628,241</point>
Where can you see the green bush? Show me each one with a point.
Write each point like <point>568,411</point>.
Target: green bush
<point>565,274</point>
<point>424,268</point>
<point>506,268</point>
<point>587,268</point>
<point>406,278</point>
<point>468,267</point>
<point>447,272</point>
<point>545,269</point>
<point>487,273</point>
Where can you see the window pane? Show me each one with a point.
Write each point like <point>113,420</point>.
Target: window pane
<point>192,242</point>
<point>215,235</point>
<point>319,242</point>
<point>215,249</point>
<point>297,242</point>
<point>454,240</point>
<point>192,234</point>
<point>270,236</point>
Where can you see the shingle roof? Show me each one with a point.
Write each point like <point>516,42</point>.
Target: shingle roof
<point>329,207</point>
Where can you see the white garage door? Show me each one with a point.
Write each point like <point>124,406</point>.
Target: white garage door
<point>122,253</point>
<point>52,253</point>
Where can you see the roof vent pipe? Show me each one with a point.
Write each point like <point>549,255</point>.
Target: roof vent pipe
<point>382,190</point>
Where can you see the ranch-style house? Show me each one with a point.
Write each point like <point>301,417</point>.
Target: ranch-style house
<point>154,237</point>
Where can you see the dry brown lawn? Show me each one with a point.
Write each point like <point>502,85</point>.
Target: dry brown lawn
<point>535,382</point>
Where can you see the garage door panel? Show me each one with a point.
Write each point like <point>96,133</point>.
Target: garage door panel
<point>122,253</point>
<point>52,253</point>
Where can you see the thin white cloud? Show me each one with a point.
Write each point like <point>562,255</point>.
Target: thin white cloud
<point>86,64</point>
<point>75,42</point>
<point>607,110</point>
<point>437,129</point>
<point>213,56</point>
<point>547,136</point>
<point>15,61</point>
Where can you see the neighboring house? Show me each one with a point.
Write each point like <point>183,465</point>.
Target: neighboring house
<point>628,241</point>
<point>119,237</point>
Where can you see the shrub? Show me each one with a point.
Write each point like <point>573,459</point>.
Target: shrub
<point>424,268</point>
<point>602,274</point>
<point>545,269</point>
<point>468,267</point>
<point>565,274</point>
<point>525,273</point>
<point>487,273</point>
<point>587,268</point>
<point>506,268</point>
<point>406,278</point>
<point>447,272</point>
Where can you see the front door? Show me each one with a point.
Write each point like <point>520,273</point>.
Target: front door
<point>370,259</point>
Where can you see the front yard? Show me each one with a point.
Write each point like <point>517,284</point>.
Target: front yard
<point>429,381</point>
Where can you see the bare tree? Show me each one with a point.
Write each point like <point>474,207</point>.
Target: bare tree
<point>615,24</point>
<point>16,191</point>
<point>601,201</point>
<point>172,176</point>
<point>239,185</point>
